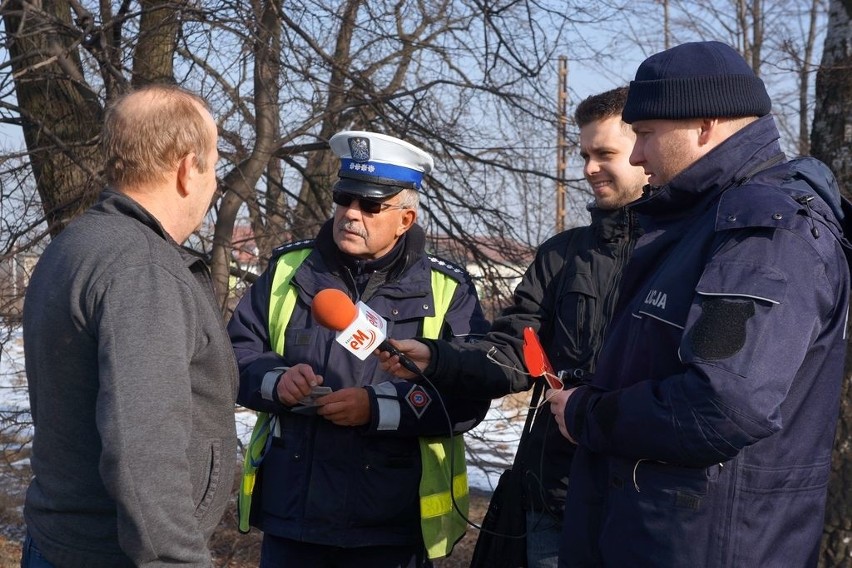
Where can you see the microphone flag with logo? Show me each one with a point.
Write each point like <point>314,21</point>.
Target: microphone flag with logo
<point>360,330</point>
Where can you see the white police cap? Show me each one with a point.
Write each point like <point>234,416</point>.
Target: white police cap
<point>376,165</point>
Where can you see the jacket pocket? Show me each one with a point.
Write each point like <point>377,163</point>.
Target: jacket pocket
<point>306,344</point>
<point>213,478</point>
<point>577,321</point>
<point>788,539</point>
<point>660,507</point>
<point>734,300</point>
<point>285,470</point>
<point>387,482</point>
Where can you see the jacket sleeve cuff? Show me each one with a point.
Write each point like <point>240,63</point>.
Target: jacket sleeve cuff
<point>269,384</point>
<point>385,410</point>
<point>576,411</point>
<point>432,367</point>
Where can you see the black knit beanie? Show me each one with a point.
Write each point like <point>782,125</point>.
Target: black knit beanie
<point>704,79</point>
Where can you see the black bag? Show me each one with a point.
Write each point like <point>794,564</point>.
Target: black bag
<point>502,541</point>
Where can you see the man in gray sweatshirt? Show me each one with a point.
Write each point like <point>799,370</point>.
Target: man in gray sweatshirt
<point>132,379</point>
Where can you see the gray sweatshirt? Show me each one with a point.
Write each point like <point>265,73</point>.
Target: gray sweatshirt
<point>132,383</point>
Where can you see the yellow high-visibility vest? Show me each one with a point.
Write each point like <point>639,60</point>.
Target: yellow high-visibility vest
<point>444,494</point>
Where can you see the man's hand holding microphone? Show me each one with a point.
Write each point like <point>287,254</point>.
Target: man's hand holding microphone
<point>416,352</point>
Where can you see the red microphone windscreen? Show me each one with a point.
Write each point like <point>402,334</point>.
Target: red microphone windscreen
<point>333,309</point>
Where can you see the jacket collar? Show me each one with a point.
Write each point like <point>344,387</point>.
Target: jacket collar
<point>610,224</point>
<point>735,159</point>
<point>327,266</point>
<point>114,202</point>
<point>409,248</point>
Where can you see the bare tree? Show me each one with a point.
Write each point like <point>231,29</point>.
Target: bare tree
<point>800,54</point>
<point>780,44</point>
<point>830,143</point>
<point>60,114</point>
<point>470,82</point>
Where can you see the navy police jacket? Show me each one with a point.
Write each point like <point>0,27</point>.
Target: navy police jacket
<point>351,486</point>
<point>706,435</point>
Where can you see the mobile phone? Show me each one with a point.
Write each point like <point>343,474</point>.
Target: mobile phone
<point>316,392</point>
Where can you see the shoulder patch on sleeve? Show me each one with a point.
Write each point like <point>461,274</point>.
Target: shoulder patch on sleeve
<point>720,332</point>
<point>290,247</point>
<point>450,268</point>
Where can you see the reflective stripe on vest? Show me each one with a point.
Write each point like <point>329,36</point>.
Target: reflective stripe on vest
<point>443,480</point>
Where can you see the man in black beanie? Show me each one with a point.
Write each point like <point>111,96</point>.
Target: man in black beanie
<point>705,436</point>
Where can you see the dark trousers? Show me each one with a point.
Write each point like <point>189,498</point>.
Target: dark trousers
<point>279,552</point>
<point>31,556</point>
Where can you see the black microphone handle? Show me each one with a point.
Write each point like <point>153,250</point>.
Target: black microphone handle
<point>403,360</point>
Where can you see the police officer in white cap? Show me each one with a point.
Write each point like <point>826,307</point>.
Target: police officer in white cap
<point>377,173</point>
<point>368,475</point>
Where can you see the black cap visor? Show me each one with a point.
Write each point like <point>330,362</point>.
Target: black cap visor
<point>366,189</point>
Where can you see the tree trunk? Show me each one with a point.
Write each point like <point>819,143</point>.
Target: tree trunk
<point>805,70</point>
<point>61,116</point>
<point>831,142</point>
<point>241,181</point>
<point>153,58</point>
<point>321,169</point>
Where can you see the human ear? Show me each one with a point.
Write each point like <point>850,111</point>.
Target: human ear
<point>707,128</point>
<point>409,216</point>
<point>186,173</point>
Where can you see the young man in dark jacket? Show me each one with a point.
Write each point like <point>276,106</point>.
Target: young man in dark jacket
<point>351,478</point>
<point>705,436</point>
<point>568,295</point>
<point>131,377</point>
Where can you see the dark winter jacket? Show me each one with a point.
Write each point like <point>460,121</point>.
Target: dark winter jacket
<point>706,435</point>
<point>567,295</point>
<point>132,384</point>
<point>345,486</point>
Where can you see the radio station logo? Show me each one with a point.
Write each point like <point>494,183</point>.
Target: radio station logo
<point>362,339</point>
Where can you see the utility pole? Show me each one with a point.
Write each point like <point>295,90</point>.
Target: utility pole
<point>561,143</point>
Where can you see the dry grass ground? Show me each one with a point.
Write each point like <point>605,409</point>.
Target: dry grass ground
<point>10,553</point>
<point>13,482</point>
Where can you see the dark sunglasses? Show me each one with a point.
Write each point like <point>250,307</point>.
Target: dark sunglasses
<point>366,205</point>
